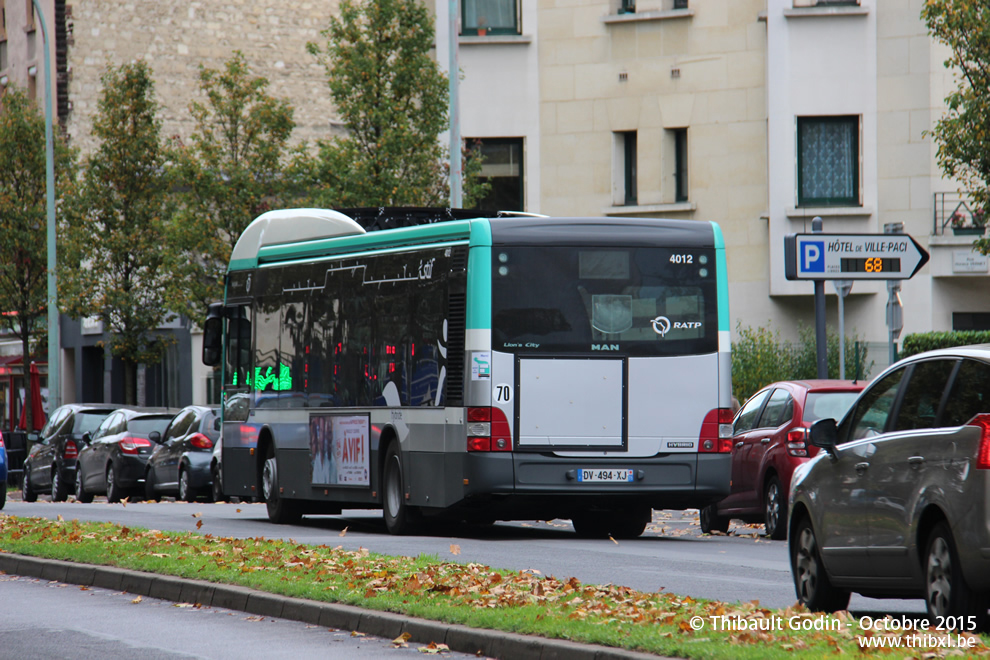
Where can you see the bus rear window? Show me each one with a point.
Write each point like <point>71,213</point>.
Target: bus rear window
<point>638,301</point>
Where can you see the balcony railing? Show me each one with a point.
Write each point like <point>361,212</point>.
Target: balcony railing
<point>957,213</point>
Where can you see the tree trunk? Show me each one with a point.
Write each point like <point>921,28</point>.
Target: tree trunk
<point>130,382</point>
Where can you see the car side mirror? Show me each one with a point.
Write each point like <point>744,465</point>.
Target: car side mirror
<point>87,437</point>
<point>155,437</point>
<point>824,434</point>
<point>33,436</point>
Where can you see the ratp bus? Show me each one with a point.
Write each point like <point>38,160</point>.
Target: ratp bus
<point>450,365</point>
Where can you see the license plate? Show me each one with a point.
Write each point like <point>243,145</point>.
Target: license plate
<point>611,475</point>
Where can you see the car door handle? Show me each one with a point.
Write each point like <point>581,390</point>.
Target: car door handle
<point>916,461</point>
<point>740,444</point>
<point>765,441</point>
<point>861,467</point>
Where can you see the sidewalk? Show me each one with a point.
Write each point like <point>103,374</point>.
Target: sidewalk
<point>486,643</point>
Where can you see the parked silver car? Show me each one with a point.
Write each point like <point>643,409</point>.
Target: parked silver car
<point>898,503</point>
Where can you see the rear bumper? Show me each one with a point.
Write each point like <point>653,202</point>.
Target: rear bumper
<point>130,470</point>
<point>544,485</point>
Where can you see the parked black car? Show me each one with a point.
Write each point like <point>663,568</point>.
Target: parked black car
<point>50,466</point>
<point>180,465</point>
<point>116,455</point>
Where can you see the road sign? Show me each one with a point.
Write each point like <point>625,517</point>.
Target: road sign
<point>852,256</point>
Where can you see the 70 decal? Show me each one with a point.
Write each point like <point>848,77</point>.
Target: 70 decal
<point>503,393</point>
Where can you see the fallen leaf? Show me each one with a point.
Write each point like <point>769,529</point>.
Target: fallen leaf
<point>136,600</point>
<point>343,532</point>
<point>402,639</point>
<point>455,549</point>
<point>199,523</point>
<point>355,633</point>
<point>238,511</point>
<point>60,518</point>
<point>613,540</point>
<point>198,514</point>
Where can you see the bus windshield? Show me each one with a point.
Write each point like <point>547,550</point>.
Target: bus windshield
<point>635,301</point>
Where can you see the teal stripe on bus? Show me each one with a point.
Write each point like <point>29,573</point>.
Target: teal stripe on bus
<point>391,238</point>
<point>479,277</point>
<point>722,277</point>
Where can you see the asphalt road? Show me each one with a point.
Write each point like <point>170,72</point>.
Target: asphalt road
<point>51,620</point>
<point>672,555</point>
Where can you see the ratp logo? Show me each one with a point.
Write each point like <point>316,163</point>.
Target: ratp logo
<point>813,256</point>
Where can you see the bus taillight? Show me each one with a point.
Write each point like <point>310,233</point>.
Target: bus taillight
<point>716,432</point>
<point>488,430</point>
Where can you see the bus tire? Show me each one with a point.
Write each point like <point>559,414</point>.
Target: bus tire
<point>710,521</point>
<point>280,510</point>
<point>399,516</point>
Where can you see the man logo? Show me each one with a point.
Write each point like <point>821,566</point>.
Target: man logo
<point>661,325</point>
<point>604,347</point>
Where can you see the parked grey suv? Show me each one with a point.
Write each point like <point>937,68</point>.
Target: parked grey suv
<point>898,503</point>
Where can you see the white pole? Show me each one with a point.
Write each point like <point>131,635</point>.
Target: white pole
<point>454,11</point>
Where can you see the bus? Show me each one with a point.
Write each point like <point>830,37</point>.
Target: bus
<point>444,364</point>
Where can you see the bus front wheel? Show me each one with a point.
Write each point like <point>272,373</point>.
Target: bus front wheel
<point>399,516</point>
<point>280,510</point>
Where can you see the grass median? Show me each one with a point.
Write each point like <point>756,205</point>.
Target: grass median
<point>480,596</point>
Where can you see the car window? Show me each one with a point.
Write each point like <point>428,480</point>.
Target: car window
<point>923,395</point>
<point>105,426</point>
<point>87,422</point>
<point>828,405</point>
<point>180,425</point>
<point>779,409</point>
<point>747,415</point>
<point>142,426</point>
<point>970,393</point>
<point>53,423</point>
<point>874,408</point>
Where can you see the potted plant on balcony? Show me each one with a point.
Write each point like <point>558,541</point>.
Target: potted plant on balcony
<point>972,224</point>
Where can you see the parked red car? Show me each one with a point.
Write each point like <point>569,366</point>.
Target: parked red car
<point>770,439</point>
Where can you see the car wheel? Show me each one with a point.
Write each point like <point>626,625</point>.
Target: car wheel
<point>186,494</point>
<point>113,490</point>
<point>280,510</point>
<point>60,492</point>
<point>711,521</point>
<point>814,589</point>
<point>27,492</point>
<point>946,593</point>
<point>399,516</point>
<point>81,494</point>
<point>217,486</point>
<point>150,492</point>
<point>775,510</point>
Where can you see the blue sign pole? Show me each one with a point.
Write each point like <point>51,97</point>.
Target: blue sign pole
<point>820,337</point>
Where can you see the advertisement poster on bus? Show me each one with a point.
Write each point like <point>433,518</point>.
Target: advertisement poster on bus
<point>339,450</point>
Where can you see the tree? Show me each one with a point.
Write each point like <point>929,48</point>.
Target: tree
<point>392,97</point>
<point>231,172</point>
<point>23,220</point>
<point>116,263</point>
<point>963,133</point>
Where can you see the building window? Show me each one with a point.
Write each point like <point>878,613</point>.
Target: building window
<point>625,186</point>
<point>828,161</point>
<point>680,165</point>
<point>483,17</point>
<point>966,321</point>
<point>503,167</point>
<point>29,12</point>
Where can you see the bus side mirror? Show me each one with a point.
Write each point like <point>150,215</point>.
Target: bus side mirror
<point>213,336</point>
<point>824,434</point>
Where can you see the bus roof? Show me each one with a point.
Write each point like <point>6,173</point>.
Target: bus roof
<point>293,234</point>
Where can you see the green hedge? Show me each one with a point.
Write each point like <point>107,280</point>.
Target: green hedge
<point>927,341</point>
<point>761,357</point>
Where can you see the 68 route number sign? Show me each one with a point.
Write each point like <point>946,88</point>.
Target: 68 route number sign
<point>852,256</point>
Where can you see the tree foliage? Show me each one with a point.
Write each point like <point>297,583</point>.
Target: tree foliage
<point>962,135</point>
<point>115,265</point>
<point>392,98</point>
<point>231,171</point>
<point>24,218</point>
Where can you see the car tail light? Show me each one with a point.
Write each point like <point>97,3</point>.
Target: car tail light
<point>488,430</point>
<point>71,452</point>
<point>131,446</point>
<point>983,453</point>
<point>716,432</point>
<point>200,441</point>
<point>1,440</point>
<point>797,442</point>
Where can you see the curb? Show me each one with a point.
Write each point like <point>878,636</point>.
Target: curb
<point>483,642</point>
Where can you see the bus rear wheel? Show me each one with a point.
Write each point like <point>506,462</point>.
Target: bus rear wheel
<point>399,516</point>
<point>280,510</point>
